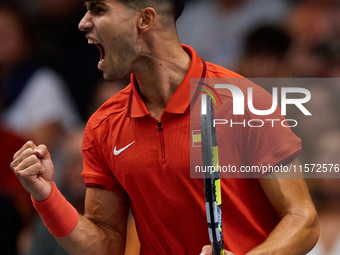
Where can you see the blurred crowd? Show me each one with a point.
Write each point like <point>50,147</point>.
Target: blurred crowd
<point>50,85</point>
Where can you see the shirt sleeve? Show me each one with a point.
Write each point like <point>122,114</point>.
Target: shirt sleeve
<point>268,140</point>
<point>96,172</point>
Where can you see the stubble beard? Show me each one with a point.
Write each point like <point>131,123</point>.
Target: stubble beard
<point>127,55</point>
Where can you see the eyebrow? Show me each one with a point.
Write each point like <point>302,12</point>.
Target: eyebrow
<point>93,1</point>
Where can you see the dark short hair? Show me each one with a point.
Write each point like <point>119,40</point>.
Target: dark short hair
<point>177,6</point>
<point>267,39</point>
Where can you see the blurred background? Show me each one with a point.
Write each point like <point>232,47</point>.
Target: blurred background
<point>50,85</point>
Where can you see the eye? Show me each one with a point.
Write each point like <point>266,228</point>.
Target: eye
<point>96,9</point>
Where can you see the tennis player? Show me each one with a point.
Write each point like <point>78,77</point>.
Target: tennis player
<point>136,153</point>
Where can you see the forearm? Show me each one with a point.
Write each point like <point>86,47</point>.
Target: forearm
<point>295,234</point>
<point>102,229</point>
<point>91,238</point>
<point>94,233</point>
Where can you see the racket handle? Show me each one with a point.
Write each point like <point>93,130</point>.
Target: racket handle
<point>218,248</point>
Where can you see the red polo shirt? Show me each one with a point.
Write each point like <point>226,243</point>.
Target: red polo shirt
<point>127,150</point>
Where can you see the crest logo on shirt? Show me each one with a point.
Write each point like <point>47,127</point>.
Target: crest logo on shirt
<point>196,138</point>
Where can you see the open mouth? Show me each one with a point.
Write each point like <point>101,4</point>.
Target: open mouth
<point>102,52</point>
<point>101,49</point>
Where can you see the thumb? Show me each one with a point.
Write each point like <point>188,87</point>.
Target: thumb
<point>206,250</point>
<point>42,152</point>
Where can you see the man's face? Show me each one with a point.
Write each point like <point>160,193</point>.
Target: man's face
<point>111,26</point>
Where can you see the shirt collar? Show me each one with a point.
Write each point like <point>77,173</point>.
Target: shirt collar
<point>179,101</point>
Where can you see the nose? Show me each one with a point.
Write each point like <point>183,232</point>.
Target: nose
<point>85,24</point>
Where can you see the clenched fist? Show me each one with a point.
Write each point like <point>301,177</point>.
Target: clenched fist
<point>33,166</point>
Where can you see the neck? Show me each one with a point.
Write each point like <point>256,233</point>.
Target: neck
<point>160,75</point>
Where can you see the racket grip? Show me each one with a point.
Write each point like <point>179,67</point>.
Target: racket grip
<point>218,248</point>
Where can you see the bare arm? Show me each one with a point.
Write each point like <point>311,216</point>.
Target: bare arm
<point>102,229</point>
<point>298,229</point>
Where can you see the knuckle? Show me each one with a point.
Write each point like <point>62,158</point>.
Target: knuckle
<point>22,175</point>
<point>32,157</point>
<point>18,171</point>
<point>32,160</point>
<point>15,170</point>
<point>24,163</point>
<point>13,165</point>
<point>29,151</point>
<point>29,143</point>
<point>38,167</point>
<point>30,171</point>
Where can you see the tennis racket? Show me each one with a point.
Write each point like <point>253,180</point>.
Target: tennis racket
<point>212,184</point>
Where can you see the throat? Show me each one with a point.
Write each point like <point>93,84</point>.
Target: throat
<point>155,111</point>
<point>156,95</point>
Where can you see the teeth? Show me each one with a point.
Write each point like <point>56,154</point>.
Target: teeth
<point>90,41</point>
<point>101,61</point>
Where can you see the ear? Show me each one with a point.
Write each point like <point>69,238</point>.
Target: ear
<point>147,19</point>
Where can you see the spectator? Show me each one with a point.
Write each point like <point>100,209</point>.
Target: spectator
<point>73,185</point>
<point>16,207</point>
<point>74,189</point>
<point>265,51</point>
<point>217,29</point>
<point>36,104</point>
<point>62,46</point>
<point>309,26</point>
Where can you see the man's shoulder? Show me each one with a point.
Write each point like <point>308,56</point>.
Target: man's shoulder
<point>235,83</point>
<point>113,107</point>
